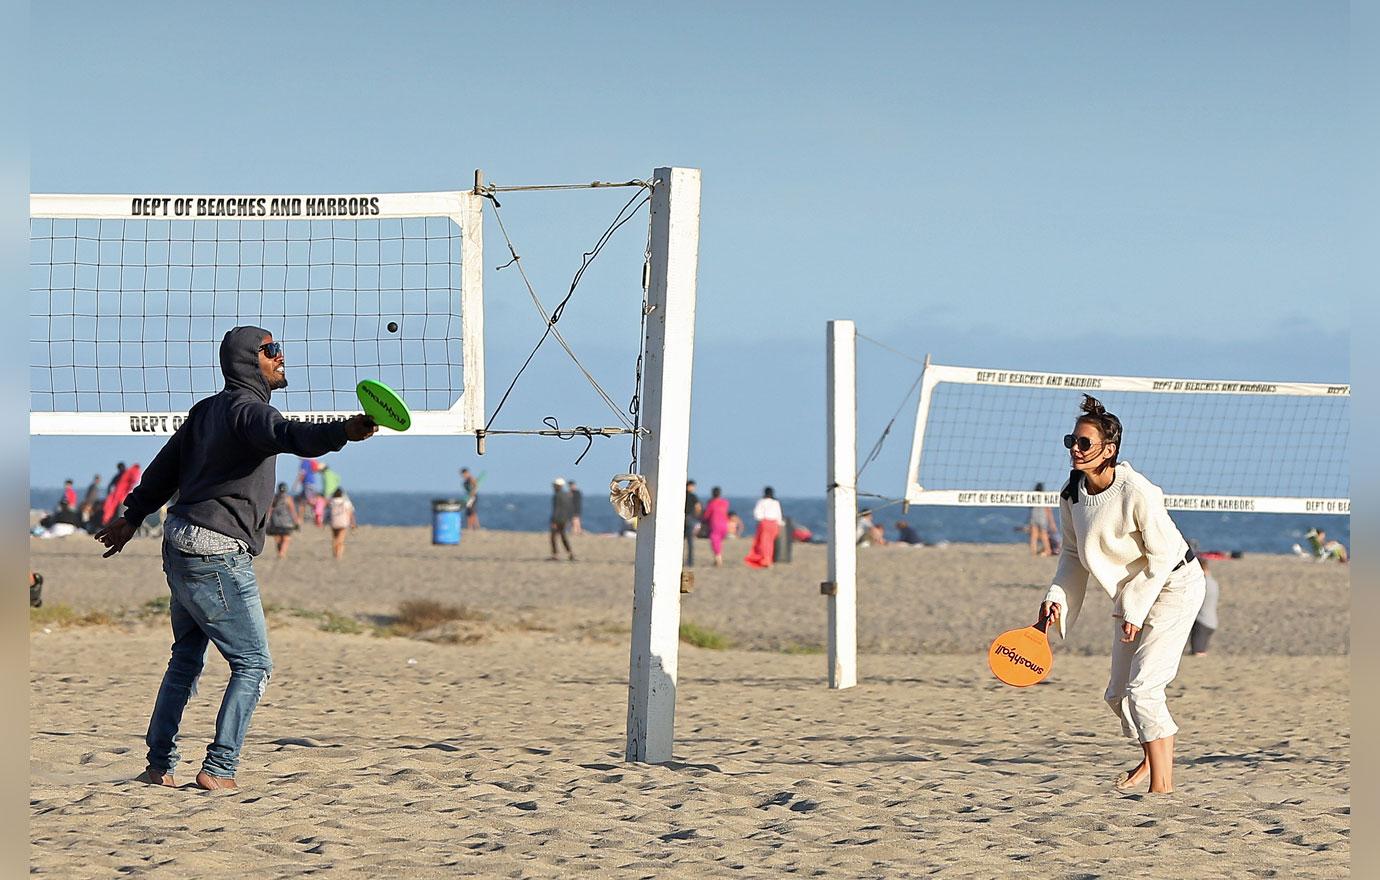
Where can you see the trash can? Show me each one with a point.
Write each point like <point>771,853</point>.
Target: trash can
<point>445,520</point>
<point>784,540</point>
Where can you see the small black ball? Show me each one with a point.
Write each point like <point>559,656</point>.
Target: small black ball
<point>392,326</point>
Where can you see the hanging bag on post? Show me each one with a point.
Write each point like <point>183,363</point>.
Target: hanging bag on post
<point>632,501</point>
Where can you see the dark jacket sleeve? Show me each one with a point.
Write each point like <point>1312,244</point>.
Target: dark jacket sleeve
<point>159,480</point>
<point>265,429</point>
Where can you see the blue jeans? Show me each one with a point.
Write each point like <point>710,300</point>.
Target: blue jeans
<point>214,599</point>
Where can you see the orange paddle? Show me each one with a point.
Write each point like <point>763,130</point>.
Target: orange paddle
<point>1021,657</point>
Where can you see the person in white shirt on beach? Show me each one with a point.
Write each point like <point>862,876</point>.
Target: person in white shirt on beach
<point>1118,534</point>
<point>767,512</point>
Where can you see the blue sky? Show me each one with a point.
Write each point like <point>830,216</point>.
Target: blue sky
<point>1116,188</point>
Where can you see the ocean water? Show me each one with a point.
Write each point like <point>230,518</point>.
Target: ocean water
<point>1228,532</point>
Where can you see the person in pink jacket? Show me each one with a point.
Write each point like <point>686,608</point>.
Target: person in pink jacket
<point>716,520</point>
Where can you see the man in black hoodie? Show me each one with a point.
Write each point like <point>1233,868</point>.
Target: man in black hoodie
<point>220,462</point>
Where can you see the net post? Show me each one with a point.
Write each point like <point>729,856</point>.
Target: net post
<point>472,311</point>
<point>667,356</point>
<point>841,337</point>
<point>922,413</point>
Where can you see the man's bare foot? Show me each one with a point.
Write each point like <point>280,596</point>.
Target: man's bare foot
<point>215,783</point>
<point>1135,778</point>
<point>154,776</point>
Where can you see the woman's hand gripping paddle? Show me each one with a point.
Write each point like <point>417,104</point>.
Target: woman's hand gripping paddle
<point>384,405</point>
<point>1021,657</point>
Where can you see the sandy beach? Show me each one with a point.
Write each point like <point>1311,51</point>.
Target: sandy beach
<point>492,745</point>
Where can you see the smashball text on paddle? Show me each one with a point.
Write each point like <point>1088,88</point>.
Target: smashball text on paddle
<point>1021,657</point>
<point>1009,654</point>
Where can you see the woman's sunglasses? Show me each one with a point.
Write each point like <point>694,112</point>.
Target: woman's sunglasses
<point>272,349</point>
<point>1083,443</point>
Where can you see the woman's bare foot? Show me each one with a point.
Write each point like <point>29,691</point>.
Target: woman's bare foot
<point>1134,778</point>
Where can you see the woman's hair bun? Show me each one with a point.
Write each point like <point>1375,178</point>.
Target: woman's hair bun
<point>1092,406</point>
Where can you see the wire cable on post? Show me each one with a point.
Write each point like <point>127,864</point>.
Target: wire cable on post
<point>626,213</point>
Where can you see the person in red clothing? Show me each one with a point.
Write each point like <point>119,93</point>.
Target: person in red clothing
<point>767,512</point>
<point>128,479</point>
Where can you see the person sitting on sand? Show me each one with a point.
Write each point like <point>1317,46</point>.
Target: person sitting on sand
<point>869,534</point>
<point>1118,535</point>
<point>59,524</point>
<point>1324,549</point>
<point>906,534</point>
<point>221,462</point>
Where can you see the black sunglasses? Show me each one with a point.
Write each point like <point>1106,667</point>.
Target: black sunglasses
<point>272,349</point>
<point>1083,443</point>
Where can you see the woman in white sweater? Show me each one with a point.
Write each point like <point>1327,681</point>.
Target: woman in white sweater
<point>1118,535</point>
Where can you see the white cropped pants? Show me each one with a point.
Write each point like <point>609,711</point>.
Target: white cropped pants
<point>1143,668</point>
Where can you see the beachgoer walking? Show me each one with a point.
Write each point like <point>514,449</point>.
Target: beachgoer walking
<point>1041,526</point>
<point>120,489</point>
<point>341,515</point>
<point>716,518</point>
<point>93,494</point>
<point>767,512</point>
<point>114,481</point>
<point>308,488</point>
<point>693,509</point>
<point>1206,622</point>
<point>1117,534</point>
<point>69,495</point>
<point>471,498</point>
<point>577,509</point>
<point>221,461</point>
<point>283,519</point>
<point>561,511</point>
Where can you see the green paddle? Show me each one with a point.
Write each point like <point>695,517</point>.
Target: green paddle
<point>384,405</point>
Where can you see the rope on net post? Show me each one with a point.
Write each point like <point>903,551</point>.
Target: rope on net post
<point>555,430</point>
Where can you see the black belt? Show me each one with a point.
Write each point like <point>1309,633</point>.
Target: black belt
<point>1188,557</point>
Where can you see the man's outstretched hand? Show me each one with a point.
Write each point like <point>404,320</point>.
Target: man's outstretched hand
<point>115,535</point>
<point>360,427</point>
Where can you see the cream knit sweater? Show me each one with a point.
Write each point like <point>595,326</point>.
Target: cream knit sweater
<point>1123,539</point>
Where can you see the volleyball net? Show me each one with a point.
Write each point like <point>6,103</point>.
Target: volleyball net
<point>986,438</point>
<point>131,294</point>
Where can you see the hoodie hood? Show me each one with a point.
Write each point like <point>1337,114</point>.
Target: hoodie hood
<point>239,360</point>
